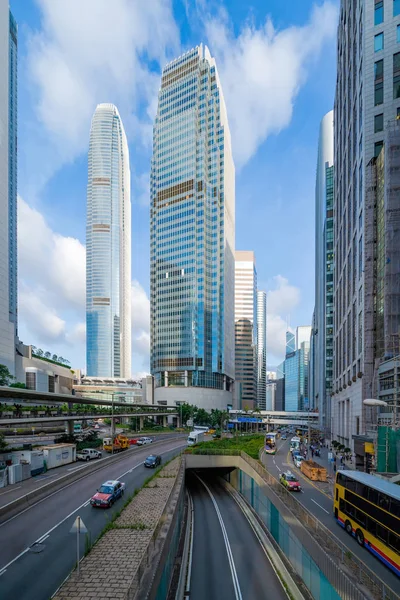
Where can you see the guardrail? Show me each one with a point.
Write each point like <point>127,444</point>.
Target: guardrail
<point>325,538</point>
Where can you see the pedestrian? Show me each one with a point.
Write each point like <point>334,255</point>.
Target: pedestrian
<point>341,459</point>
<point>312,453</point>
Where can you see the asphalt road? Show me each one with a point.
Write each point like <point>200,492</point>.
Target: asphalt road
<point>26,574</point>
<point>228,561</point>
<point>320,503</point>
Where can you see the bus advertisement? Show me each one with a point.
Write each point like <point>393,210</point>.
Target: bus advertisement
<point>368,508</point>
<point>270,443</point>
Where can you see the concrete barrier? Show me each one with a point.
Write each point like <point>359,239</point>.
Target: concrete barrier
<point>16,506</point>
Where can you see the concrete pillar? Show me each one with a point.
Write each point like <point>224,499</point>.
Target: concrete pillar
<point>165,378</point>
<point>165,421</point>
<point>225,383</point>
<point>69,426</point>
<point>186,378</point>
<point>141,423</point>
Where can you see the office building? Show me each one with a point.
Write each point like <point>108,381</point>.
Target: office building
<point>108,248</point>
<point>366,226</point>
<point>321,350</point>
<point>280,387</point>
<point>246,328</point>
<point>192,237</point>
<point>270,390</point>
<point>296,371</point>
<point>261,348</point>
<point>8,187</point>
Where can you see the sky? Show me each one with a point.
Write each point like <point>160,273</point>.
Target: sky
<point>277,64</point>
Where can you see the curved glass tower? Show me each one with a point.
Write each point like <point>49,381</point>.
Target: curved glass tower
<point>192,234</point>
<point>108,248</point>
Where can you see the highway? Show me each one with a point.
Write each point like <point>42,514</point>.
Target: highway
<point>227,560</point>
<point>40,552</point>
<point>318,499</point>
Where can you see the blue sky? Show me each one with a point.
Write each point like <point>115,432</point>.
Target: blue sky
<point>276,61</point>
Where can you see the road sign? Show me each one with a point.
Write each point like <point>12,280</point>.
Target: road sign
<point>78,527</point>
<point>189,422</point>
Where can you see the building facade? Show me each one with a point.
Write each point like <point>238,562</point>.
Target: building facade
<point>246,315</point>
<point>261,348</point>
<point>270,395</point>
<point>321,351</point>
<point>8,187</point>
<point>192,237</point>
<point>366,229</point>
<point>108,248</point>
<point>296,371</point>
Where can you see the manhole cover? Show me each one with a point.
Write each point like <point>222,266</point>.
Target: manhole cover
<point>37,548</point>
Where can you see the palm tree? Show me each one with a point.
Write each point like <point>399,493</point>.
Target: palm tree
<point>257,411</point>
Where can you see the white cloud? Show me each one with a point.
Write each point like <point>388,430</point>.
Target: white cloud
<point>95,51</point>
<point>281,300</point>
<point>262,71</point>
<point>52,292</point>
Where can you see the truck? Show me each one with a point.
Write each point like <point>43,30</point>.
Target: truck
<point>121,442</point>
<point>195,437</point>
<point>87,454</point>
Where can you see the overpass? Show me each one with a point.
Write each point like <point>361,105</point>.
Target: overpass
<point>47,419</point>
<point>272,417</point>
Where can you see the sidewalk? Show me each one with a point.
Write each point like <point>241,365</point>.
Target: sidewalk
<point>328,465</point>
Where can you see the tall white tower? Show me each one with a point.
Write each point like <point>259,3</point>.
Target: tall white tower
<point>261,349</point>
<point>108,248</point>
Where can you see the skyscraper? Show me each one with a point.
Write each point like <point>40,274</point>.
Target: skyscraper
<point>245,329</point>
<point>192,236</point>
<point>322,329</point>
<point>8,187</point>
<point>296,371</point>
<point>108,248</point>
<point>366,226</point>
<point>261,348</point>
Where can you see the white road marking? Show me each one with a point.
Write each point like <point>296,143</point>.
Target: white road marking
<point>2,572</point>
<point>279,469</point>
<point>65,518</point>
<point>42,539</point>
<point>235,580</point>
<point>327,512</point>
<point>8,491</point>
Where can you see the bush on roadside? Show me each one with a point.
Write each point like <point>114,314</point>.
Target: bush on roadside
<point>250,444</point>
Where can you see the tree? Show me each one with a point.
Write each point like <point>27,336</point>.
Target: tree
<point>39,352</point>
<point>3,443</point>
<point>61,359</point>
<point>187,411</point>
<point>5,375</point>
<point>34,349</point>
<point>47,354</point>
<point>201,417</point>
<point>54,357</point>
<point>257,412</point>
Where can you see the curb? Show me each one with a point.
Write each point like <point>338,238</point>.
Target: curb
<point>13,508</point>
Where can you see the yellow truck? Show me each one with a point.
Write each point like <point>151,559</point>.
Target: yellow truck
<point>313,470</point>
<point>121,442</point>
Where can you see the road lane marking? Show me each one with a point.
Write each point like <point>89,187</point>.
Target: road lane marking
<point>2,572</point>
<point>235,580</point>
<point>42,539</point>
<point>279,469</point>
<point>190,557</point>
<point>8,491</point>
<point>327,512</point>
<point>65,518</point>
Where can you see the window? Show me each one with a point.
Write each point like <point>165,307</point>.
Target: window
<point>378,18</point>
<point>377,148</point>
<point>378,82</point>
<point>396,75</point>
<point>378,123</point>
<point>396,8</point>
<point>378,42</point>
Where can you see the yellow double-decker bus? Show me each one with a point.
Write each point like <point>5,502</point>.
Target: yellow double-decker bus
<point>369,508</point>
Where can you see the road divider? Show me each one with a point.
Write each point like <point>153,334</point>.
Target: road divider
<point>26,501</point>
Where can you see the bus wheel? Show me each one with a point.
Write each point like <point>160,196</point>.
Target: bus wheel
<point>348,527</point>
<point>360,537</point>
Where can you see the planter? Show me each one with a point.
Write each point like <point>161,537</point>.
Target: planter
<point>344,386</point>
<point>354,378</point>
<point>349,382</point>
<point>359,374</point>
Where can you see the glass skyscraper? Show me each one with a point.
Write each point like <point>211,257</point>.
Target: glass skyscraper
<point>8,187</point>
<point>108,248</point>
<point>192,222</point>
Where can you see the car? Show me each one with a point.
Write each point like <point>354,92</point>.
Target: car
<point>133,441</point>
<point>87,454</point>
<point>295,453</point>
<point>108,493</point>
<point>152,461</point>
<point>298,459</point>
<point>290,482</point>
<point>284,436</point>
<point>144,440</point>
